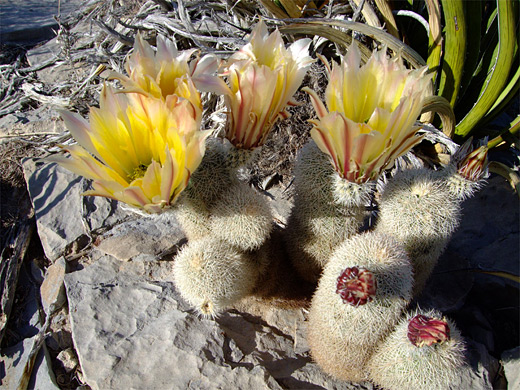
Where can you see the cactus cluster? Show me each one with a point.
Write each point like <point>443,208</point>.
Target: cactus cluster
<point>360,325</point>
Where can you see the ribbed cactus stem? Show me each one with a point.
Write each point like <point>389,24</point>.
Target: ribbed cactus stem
<point>327,210</point>
<point>423,330</point>
<point>362,292</point>
<point>356,286</point>
<point>417,208</point>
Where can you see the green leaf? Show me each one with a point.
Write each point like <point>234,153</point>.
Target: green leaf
<point>434,37</point>
<point>499,72</point>
<point>454,49</point>
<point>505,97</point>
<point>514,127</point>
<point>442,107</point>
<point>473,11</point>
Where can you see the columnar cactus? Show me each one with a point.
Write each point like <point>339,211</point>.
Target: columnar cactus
<point>369,121</point>
<point>417,209</point>
<point>365,286</point>
<point>421,208</point>
<point>425,351</point>
<point>318,223</point>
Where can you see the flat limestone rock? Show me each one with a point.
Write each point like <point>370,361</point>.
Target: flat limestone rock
<point>42,120</point>
<point>52,290</point>
<point>62,214</point>
<point>14,361</point>
<point>481,371</point>
<point>152,235</point>
<point>133,331</point>
<point>489,236</point>
<point>511,362</point>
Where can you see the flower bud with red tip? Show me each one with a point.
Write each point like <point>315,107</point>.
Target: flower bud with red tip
<point>356,286</point>
<point>423,330</point>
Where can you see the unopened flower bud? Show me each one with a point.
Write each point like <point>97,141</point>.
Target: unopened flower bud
<point>426,331</point>
<point>356,286</point>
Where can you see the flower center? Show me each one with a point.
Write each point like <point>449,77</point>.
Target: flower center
<point>138,172</point>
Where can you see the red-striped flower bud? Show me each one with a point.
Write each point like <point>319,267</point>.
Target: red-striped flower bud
<point>356,286</point>
<point>423,330</point>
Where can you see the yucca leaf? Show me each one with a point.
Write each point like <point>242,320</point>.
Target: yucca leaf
<point>497,78</point>
<point>454,49</point>
<point>337,36</point>
<point>434,38</point>
<point>501,274</point>
<point>485,63</point>
<point>291,8</point>
<point>507,94</point>
<point>368,13</point>
<point>514,127</point>
<point>275,7</point>
<point>442,107</point>
<point>506,172</point>
<point>385,38</point>
<point>388,17</point>
<point>473,11</point>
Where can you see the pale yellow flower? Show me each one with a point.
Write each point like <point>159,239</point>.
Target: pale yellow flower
<point>167,71</point>
<point>370,116</point>
<point>263,77</point>
<point>137,149</point>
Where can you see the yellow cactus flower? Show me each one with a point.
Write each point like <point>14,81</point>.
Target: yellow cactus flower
<point>263,77</point>
<point>370,116</point>
<point>167,71</point>
<point>137,149</point>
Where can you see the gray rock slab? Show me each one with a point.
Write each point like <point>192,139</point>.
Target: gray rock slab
<point>62,214</point>
<point>13,361</point>
<point>152,236</point>
<point>133,331</point>
<point>487,239</point>
<point>39,121</point>
<point>511,362</point>
<point>29,21</point>
<point>481,371</point>
<point>489,236</point>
